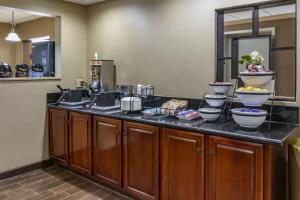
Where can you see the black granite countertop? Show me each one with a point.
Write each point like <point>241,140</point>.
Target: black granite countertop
<point>277,134</point>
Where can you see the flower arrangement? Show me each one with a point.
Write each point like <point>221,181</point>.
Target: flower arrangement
<point>254,58</point>
<point>253,62</point>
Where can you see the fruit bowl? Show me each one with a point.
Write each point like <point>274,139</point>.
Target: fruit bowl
<point>210,114</point>
<point>256,78</point>
<point>221,87</point>
<point>215,100</point>
<point>253,97</point>
<point>249,118</point>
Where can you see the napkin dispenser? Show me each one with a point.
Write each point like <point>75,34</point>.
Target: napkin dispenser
<point>131,104</point>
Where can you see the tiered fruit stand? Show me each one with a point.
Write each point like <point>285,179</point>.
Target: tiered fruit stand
<point>252,100</point>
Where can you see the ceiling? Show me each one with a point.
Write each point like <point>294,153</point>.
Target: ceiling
<point>84,2</point>
<point>20,15</point>
<point>266,12</point>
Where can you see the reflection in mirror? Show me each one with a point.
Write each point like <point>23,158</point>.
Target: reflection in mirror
<point>282,19</point>
<point>244,45</point>
<point>34,54</point>
<point>269,29</point>
<point>230,20</point>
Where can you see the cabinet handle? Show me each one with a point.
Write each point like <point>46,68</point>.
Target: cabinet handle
<point>198,150</point>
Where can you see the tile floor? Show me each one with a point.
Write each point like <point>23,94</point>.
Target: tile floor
<point>54,183</point>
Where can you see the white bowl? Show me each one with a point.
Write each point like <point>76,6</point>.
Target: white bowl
<point>210,114</point>
<point>256,79</point>
<point>215,100</point>
<point>253,98</point>
<point>221,87</point>
<point>249,119</point>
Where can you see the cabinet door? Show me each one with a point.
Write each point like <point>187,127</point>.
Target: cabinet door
<point>58,136</point>
<point>182,165</point>
<point>141,160</point>
<point>235,170</point>
<point>80,145</point>
<point>107,150</point>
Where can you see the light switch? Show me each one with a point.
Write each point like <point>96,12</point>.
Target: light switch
<point>78,82</point>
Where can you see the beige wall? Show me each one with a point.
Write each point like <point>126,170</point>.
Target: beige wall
<point>23,139</point>
<point>37,28</point>
<point>7,49</point>
<point>169,43</point>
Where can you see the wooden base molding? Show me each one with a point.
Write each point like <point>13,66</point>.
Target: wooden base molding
<point>25,169</point>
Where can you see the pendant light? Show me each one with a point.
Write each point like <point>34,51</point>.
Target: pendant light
<point>13,36</point>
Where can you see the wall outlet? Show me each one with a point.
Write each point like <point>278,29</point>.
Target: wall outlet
<point>78,82</point>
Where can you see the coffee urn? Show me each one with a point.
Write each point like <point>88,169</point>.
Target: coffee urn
<point>103,75</point>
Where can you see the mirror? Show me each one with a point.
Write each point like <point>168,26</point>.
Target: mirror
<point>244,45</point>
<point>232,38</point>
<point>269,29</point>
<point>281,20</point>
<point>27,44</point>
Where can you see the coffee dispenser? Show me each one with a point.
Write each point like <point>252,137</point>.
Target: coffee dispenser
<point>103,75</point>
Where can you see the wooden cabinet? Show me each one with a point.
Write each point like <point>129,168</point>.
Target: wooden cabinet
<point>234,170</point>
<point>80,143</point>
<point>141,160</point>
<point>58,136</point>
<point>107,155</point>
<point>173,165</point>
<point>182,174</point>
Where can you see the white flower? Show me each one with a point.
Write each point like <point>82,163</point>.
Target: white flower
<point>261,58</point>
<point>254,54</point>
<point>256,57</point>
